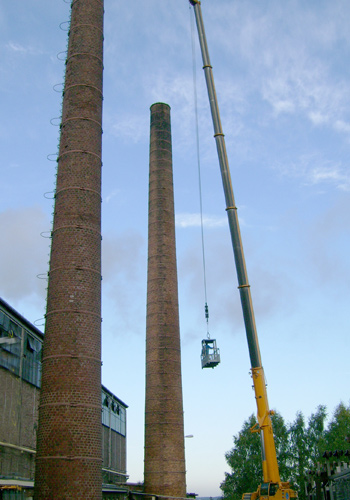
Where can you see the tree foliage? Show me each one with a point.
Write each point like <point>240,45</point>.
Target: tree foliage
<point>299,446</point>
<point>338,429</point>
<point>244,461</point>
<point>245,458</point>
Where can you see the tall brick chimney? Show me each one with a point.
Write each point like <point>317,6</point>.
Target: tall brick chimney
<point>68,459</point>
<point>164,468</point>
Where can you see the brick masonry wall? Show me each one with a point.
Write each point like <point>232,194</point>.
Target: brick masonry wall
<point>68,461</point>
<point>164,469</point>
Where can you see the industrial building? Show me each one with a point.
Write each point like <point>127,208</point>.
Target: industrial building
<point>20,382</point>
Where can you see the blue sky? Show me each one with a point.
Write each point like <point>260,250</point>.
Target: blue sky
<point>282,79</point>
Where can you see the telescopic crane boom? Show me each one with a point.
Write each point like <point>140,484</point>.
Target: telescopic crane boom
<point>272,487</point>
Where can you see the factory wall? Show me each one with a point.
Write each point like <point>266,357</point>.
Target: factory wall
<point>20,379</point>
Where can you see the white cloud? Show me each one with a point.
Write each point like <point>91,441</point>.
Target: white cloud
<point>16,47</point>
<point>318,118</point>
<point>285,54</point>
<point>185,220</point>
<point>313,169</point>
<point>331,174</point>
<point>342,126</point>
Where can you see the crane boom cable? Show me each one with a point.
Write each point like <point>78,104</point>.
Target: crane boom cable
<point>195,97</point>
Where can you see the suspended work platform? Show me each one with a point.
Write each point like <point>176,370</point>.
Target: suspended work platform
<point>210,355</point>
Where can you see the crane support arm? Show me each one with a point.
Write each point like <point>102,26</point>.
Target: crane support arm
<point>272,485</point>
<point>269,459</point>
<point>231,209</point>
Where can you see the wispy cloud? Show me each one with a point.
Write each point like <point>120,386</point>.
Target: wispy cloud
<point>23,49</point>
<point>342,126</point>
<point>185,220</point>
<point>331,173</point>
<point>285,55</point>
<point>313,169</point>
<point>112,195</point>
<point>131,127</point>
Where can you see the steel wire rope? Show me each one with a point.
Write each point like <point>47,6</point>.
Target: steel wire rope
<point>55,87</point>
<point>60,53</point>
<point>52,156</point>
<point>195,98</point>
<point>62,24</point>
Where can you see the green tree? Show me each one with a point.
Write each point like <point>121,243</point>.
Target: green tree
<point>305,445</point>
<point>315,435</point>
<point>298,448</point>
<point>298,451</point>
<point>338,430</point>
<point>245,462</point>
<point>281,436</point>
<point>245,458</point>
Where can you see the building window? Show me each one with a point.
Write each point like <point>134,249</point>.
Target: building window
<point>113,414</point>
<point>10,335</point>
<point>32,360</point>
<point>13,347</point>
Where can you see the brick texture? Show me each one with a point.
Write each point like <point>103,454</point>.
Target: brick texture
<point>68,461</point>
<point>164,468</point>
